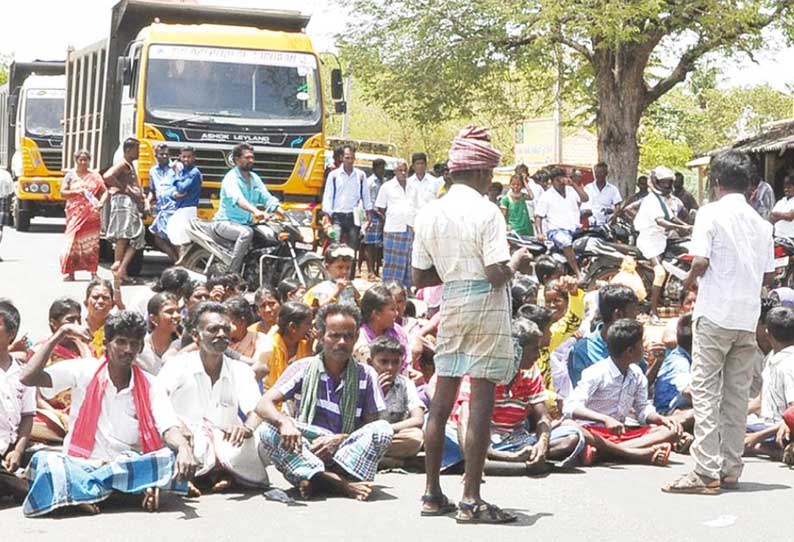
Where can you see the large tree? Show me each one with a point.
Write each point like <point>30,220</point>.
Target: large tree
<point>438,59</point>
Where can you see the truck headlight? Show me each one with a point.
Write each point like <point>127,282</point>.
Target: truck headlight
<point>45,188</point>
<point>34,188</point>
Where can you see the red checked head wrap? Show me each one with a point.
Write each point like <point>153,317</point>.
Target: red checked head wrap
<point>472,150</point>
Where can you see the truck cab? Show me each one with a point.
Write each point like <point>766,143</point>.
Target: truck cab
<point>33,107</point>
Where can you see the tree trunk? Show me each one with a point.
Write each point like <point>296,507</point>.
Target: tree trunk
<point>621,102</point>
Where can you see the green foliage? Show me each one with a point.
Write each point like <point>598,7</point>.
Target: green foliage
<point>433,61</point>
<point>5,61</point>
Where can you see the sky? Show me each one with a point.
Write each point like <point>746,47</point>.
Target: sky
<point>82,22</point>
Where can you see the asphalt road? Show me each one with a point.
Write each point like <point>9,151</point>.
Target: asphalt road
<point>605,503</point>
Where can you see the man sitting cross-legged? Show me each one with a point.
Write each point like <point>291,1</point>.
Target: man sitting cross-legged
<point>207,390</point>
<point>772,434</point>
<point>521,431</point>
<point>338,437</point>
<point>122,429</point>
<point>606,395</point>
<point>405,411</point>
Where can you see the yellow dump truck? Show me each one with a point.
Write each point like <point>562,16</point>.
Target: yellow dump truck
<point>208,77</point>
<point>31,137</point>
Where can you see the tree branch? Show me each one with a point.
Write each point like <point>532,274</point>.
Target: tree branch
<point>687,62</point>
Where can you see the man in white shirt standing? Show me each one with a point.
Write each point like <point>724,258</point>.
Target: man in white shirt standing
<point>783,213</point>
<point>461,242</point>
<point>207,390</point>
<point>123,433</point>
<point>345,188</point>
<point>372,241</point>
<point>734,258</point>
<point>557,215</point>
<point>603,197</point>
<point>428,185</point>
<point>397,202</point>
<point>654,219</point>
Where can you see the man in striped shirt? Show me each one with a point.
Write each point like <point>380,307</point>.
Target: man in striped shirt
<point>521,400</point>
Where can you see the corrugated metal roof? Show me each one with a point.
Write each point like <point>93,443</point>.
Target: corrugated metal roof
<point>775,139</point>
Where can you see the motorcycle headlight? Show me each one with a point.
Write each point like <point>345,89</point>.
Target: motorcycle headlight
<point>302,216</point>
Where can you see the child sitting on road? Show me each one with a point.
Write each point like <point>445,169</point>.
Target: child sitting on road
<point>378,318</point>
<point>17,407</point>
<point>521,431</point>
<point>612,389</point>
<point>772,434</point>
<point>672,395</point>
<point>339,288</point>
<point>404,410</point>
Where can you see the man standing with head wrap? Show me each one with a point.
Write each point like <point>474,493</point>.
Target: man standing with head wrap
<point>460,241</point>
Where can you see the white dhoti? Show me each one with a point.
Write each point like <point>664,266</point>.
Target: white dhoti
<point>178,223</point>
<point>245,464</point>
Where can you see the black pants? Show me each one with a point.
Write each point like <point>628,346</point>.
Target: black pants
<point>348,233</point>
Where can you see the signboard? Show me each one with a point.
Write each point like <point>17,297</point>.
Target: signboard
<point>534,144</point>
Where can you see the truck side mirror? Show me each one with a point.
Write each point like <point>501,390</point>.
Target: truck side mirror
<point>123,71</point>
<point>12,109</point>
<point>337,84</point>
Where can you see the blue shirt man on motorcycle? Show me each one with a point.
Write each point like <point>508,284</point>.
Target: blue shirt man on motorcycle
<point>241,191</point>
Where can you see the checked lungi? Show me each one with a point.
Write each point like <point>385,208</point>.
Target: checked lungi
<point>474,334</point>
<point>397,256</point>
<point>358,455</point>
<point>373,235</point>
<point>57,480</point>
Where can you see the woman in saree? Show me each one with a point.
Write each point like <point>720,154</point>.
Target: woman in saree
<point>82,188</point>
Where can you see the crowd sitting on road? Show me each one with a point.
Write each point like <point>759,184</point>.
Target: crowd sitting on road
<point>464,356</point>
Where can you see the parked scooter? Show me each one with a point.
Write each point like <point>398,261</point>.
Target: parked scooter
<point>784,262</point>
<point>278,252</point>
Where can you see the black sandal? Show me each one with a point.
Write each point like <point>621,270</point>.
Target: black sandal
<point>444,506</point>
<point>483,512</point>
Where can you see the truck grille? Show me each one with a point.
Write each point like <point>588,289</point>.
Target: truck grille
<point>273,168</point>
<point>52,159</point>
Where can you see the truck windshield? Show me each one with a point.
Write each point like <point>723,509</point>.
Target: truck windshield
<point>44,113</point>
<point>233,86</point>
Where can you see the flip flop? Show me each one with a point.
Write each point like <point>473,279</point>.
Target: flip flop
<point>684,443</point>
<point>693,484</point>
<point>444,506</point>
<point>661,455</point>
<point>483,513</point>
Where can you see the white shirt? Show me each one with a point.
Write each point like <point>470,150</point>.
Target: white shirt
<point>460,234</point>
<point>195,398</point>
<point>777,391</point>
<point>117,430</point>
<point>148,360</point>
<point>6,184</point>
<point>561,213</point>
<point>740,249</point>
<point>344,191</point>
<point>428,187</point>
<point>374,184</point>
<point>16,400</point>
<point>784,228</point>
<point>604,389</point>
<point>537,192</point>
<point>600,201</point>
<point>652,239</point>
<point>400,204</point>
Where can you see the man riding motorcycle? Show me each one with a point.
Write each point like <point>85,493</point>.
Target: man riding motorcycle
<point>654,221</point>
<point>241,191</point>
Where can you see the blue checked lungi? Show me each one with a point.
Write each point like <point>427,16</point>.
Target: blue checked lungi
<point>397,256</point>
<point>358,455</point>
<point>57,480</point>
<point>474,334</point>
<point>374,233</point>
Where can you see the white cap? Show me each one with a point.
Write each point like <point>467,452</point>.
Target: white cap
<point>661,172</point>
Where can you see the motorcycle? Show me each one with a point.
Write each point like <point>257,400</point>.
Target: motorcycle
<point>676,260</point>
<point>278,252</point>
<point>784,262</point>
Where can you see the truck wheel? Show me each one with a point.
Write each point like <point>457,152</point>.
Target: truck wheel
<point>136,265</point>
<point>106,254</point>
<point>21,216</point>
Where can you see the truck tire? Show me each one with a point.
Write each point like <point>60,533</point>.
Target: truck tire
<point>21,216</point>
<point>136,264</point>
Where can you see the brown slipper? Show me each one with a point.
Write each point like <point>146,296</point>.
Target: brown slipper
<point>694,484</point>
